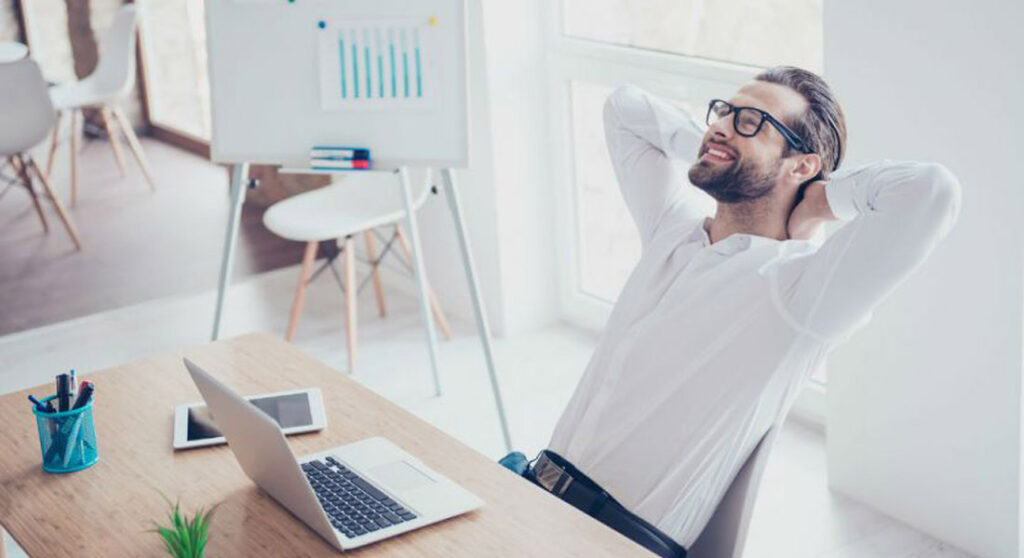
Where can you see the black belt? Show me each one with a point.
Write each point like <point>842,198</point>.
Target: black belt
<point>556,475</point>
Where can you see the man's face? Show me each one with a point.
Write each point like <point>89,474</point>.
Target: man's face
<point>733,168</point>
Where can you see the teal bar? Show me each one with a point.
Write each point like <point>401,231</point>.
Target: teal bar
<point>341,52</point>
<point>366,57</point>
<point>391,46</point>
<point>355,71</point>
<point>419,76</point>
<point>380,65</point>
<point>405,63</point>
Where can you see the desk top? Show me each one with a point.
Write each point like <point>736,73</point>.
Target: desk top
<point>108,509</point>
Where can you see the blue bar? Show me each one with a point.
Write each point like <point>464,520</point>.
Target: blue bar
<point>380,66</point>
<point>366,57</point>
<point>405,63</point>
<point>355,66</point>
<point>391,46</point>
<point>419,77</point>
<point>341,52</point>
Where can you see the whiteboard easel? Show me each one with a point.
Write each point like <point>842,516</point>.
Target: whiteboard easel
<point>277,125</point>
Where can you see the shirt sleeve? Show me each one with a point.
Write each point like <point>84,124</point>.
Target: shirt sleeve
<point>897,213</point>
<point>647,139</point>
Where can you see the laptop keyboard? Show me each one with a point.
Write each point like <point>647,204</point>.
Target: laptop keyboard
<point>354,506</point>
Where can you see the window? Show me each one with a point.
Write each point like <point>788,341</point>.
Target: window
<point>757,33</point>
<point>174,59</point>
<point>687,51</point>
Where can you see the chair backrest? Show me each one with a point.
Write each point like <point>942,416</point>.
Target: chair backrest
<point>726,531</point>
<point>26,114</point>
<point>115,71</point>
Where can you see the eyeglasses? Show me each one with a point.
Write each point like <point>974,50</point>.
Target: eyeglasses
<point>748,121</point>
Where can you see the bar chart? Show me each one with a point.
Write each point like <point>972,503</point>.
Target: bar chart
<point>378,63</point>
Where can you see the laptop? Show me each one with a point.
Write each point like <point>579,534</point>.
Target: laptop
<point>351,495</point>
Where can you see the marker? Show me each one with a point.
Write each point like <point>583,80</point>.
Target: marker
<point>85,395</point>
<point>74,384</point>
<point>321,164</point>
<point>63,392</point>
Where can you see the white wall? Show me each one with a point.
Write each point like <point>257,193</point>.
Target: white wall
<point>924,404</point>
<point>479,203</point>
<point>506,193</point>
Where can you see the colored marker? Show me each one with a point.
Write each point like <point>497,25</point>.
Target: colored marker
<point>63,392</point>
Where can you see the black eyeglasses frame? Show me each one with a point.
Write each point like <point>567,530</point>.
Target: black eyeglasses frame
<point>791,137</point>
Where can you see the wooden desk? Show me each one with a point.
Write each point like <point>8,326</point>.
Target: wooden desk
<point>107,510</point>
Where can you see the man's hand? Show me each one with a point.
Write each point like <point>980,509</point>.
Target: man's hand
<point>812,212</point>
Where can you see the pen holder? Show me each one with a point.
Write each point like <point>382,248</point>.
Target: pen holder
<point>67,439</point>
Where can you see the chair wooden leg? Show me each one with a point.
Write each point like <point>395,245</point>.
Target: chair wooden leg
<point>74,157</point>
<point>27,182</point>
<point>300,292</point>
<point>136,147</point>
<point>70,226</point>
<point>115,143</point>
<point>350,301</point>
<point>435,306</point>
<point>53,144</point>
<point>371,251</point>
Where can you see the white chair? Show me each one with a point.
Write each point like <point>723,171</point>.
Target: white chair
<point>361,202</point>
<point>110,83</point>
<point>26,116</point>
<point>726,532</point>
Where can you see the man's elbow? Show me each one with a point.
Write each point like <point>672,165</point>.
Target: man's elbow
<point>941,193</point>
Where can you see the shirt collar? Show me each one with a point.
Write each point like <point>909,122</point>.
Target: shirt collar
<point>732,244</point>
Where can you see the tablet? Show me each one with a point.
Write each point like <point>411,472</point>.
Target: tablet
<point>295,411</point>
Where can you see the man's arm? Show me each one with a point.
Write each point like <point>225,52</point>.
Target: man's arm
<point>898,212</point>
<point>644,135</point>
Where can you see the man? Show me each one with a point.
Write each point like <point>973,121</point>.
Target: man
<point>725,317</point>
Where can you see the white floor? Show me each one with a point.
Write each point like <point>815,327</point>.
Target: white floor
<point>797,516</point>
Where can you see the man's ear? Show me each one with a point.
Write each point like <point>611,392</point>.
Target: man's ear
<point>807,167</point>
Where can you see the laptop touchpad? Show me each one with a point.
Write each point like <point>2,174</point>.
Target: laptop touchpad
<point>399,476</point>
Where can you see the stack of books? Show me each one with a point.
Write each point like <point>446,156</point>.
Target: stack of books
<point>324,157</point>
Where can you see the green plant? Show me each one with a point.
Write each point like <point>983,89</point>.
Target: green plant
<point>184,537</point>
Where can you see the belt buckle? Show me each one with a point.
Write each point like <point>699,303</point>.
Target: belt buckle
<point>551,477</point>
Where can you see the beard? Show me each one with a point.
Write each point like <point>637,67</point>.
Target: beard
<point>738,182</point>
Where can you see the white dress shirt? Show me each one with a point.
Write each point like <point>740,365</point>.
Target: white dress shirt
<point>709,344</point>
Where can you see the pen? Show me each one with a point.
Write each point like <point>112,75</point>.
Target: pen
<point>40,406</point>
<point>74,384</point>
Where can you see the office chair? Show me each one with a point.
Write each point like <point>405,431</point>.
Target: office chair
<point>111,81</point>
<point>726,532</point>
<point>26,116</point>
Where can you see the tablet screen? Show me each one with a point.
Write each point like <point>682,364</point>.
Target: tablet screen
<point>289,411</point>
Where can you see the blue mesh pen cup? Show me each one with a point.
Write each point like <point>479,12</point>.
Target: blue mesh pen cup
<point>67,439</point>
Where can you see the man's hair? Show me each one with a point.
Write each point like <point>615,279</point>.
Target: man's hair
<point>822,126</point>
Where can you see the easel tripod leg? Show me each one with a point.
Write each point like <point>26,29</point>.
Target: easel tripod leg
<point>483,328</point>
<point>418,273</point>
<point>239,176</point>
